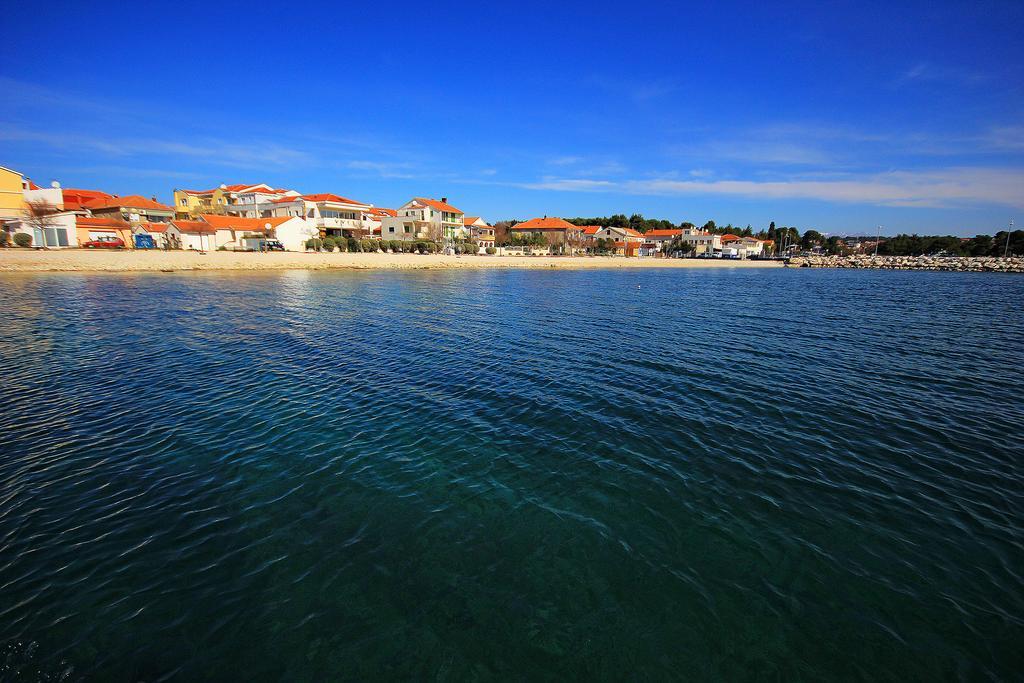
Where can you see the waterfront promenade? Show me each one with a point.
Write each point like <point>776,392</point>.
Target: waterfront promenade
<point>24,260</point>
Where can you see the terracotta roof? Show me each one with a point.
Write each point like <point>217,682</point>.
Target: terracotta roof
<point>154,227</point>
<point>328,197</point>
<point>237,223</point>
<point>133,201</point>
<point>590,229</point>
<point>285,200</point>
<point>729,237</point>
<point>440,206</point>
<point>378,211</point>
<point>108,223</point>
<point>633,233</point>
<point>194,227</point>
<point>76,199</point>
<point>469,220</point>
<point>662,233</point>
<point>547,223</point>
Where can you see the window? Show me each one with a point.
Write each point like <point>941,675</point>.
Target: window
<point>391,228</point>
<point>407,229</point>
<point>184,202</point>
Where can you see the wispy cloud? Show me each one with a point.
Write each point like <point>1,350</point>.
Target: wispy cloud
<point>927,72</point>
<point>932,189</point>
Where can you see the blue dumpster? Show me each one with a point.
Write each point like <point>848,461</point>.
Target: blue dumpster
<point>144,242</point>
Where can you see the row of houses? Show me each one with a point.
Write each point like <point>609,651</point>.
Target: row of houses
<point>561,236</point>
<point>222,217</point>
<point>231,216</point>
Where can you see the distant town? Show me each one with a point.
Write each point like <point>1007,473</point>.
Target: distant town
<point>259,217</point>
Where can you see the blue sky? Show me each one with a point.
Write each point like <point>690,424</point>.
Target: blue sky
<point>835,115</point>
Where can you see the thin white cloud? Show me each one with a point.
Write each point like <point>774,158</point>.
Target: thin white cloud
<point>932,189</point>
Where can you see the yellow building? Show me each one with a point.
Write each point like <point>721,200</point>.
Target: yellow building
<point>12,195</point>
<point>191,203</point>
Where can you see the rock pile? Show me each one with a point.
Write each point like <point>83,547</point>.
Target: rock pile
<point>988,264</point>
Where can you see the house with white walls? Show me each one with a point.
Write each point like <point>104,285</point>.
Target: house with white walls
<point>422,218</point>
<point>231,232</point>
<point>191,235</point>
<point>333,215</point>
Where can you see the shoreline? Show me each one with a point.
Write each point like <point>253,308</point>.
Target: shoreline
<point>89,261</point>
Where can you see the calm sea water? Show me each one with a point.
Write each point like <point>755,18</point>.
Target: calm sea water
<point>617,475</point>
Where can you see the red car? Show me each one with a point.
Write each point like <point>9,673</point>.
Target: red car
<point>105,243</point>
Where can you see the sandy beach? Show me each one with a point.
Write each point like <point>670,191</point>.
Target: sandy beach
<point>81,260</point>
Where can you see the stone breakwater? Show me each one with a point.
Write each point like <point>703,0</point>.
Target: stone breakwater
<point>981,264</point>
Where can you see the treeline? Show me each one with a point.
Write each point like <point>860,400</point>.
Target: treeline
<point>979,245</point>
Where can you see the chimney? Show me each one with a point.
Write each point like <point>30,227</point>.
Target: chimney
<point>444,200</point>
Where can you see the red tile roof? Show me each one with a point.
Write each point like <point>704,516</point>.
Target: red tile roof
<point>378,211</point>
<point>633,233</point>
<point>328,197</point>
<point>662,233</point>
<point>546,223</point>
<point>729,237</point>
<point>154,227</point>
<point>108,223</point>
<point>440,206</point>
<point>133,201</point>
<point>76,199</point>
<point>193,227</point>
<point>590,229</point>
<point>237,223</point>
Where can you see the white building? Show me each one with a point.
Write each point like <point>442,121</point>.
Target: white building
<point>333,215</point>
<point>191,235</point>
<point>479,231</point>
<point>58,229</point>
<point>231,232</point>
<point>425,219</point>
<point>742,247</point>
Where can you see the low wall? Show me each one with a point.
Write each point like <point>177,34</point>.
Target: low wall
<point>987,264</point>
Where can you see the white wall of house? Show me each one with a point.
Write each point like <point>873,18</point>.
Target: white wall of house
<point>294,233</point>
<point>194,241</point>
<point>60,234</point>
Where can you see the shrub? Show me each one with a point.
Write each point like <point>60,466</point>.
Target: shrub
<point>491,250</point>
<point>368,246</point>
<point>328,243</point>
<point>23,239</point>
<point>314,244</point>
<point>5,237</point>
<point>353,244</point>
<point>222,248</point>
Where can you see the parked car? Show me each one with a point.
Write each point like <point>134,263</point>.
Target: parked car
<point>105,242</point>
<point>268,245</point>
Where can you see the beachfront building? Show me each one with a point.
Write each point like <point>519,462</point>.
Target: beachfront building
<point>333,215</point>
<point>132,208</point>
<point>92,228</point>
<point>422,218</point>
<point>559,235</point>
<point>35,211</point>
<point>231,232</point>
<point>191,235</point>
<point>479,231</point>
<point>656,241</point>
<point>621,241</point>
<point>734,246</point>
<point>157,232</point>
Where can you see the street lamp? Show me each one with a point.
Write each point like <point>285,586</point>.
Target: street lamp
<point>1006,249</point>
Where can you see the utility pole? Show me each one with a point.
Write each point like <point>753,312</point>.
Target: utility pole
<point>1006,249</point>
<point>878,236</point>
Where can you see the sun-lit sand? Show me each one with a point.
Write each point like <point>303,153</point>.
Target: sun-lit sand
<point>24,260</point>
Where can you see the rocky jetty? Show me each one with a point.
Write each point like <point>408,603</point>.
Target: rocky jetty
<point>986,264</point>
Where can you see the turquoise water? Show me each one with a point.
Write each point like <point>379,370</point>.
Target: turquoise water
<point>608,475</point>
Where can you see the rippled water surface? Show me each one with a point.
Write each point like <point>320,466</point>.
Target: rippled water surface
<point>609,475</point>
